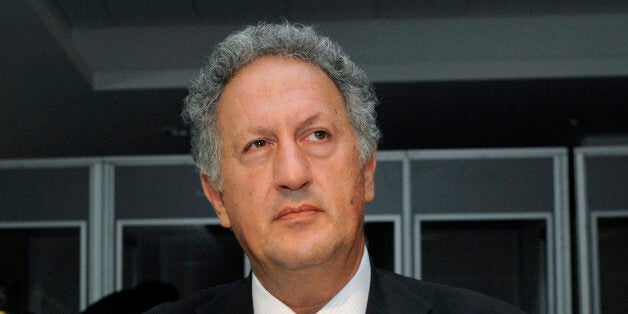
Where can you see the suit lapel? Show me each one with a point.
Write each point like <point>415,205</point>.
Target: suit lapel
<point>385,297</point>
<point>236,299</point>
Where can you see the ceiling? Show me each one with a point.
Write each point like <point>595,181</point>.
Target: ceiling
<point>107,77</point>
<point>124,13</point>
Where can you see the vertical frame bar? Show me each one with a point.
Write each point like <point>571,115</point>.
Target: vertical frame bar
<point>562,236</point>
<point>83,270</point>
<point>583,240</point>
<point>407,217</point>
<point>595,268</point>
<point>95,250</point>
<point>418,271</point>
<point>101,231</point>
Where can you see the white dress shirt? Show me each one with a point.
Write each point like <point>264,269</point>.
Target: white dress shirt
<point>352,298</point>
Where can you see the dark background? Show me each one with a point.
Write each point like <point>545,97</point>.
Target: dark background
<point>511,113</point>
<point>48,107</point>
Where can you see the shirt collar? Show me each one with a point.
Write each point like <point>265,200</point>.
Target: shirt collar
<point>352,298</point>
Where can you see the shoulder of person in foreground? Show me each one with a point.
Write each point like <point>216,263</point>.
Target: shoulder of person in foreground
<point>233,297</point>
<point>394,293</point>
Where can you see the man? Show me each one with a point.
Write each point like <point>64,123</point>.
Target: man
<point>283,130</point>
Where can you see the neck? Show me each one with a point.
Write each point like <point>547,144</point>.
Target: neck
<point>308,290</point>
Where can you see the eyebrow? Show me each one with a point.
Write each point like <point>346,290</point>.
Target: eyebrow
<point>311,119</point>
<point>264,130</point>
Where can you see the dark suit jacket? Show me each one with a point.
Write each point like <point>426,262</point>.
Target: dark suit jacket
<point>389,293</point>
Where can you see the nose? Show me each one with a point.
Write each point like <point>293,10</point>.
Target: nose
<point>291,167</point>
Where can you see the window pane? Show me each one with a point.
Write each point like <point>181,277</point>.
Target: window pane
<point>40,270</point>
<point>613,258</point>
<point>388,189</point>
<point>160,192</point>
<point>482,185</point>
<point>189,257</point>
<point>607,182</point>
<point>380,238</point>
<point>44,194</point>
<point>503,259</point>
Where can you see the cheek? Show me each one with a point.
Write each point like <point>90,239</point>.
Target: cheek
<point>348,188</point>
<point>245,205</point>
<point>238,182</point>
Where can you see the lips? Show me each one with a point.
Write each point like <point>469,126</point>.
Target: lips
<point>288,212</point>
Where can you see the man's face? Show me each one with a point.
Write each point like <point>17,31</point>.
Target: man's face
<point>293,188</point>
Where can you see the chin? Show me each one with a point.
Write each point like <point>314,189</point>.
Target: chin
<point>304,256</point>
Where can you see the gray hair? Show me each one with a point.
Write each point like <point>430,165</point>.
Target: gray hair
<point>290,41</point>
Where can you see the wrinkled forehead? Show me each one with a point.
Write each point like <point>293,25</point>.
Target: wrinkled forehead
<point>272,74</point>
<point>279,91</point>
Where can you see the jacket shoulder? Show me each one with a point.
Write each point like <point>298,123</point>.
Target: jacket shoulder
<point>219,299</point>
<point>397,289</point>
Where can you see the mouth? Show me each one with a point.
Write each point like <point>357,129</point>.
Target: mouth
<point>295,212</point>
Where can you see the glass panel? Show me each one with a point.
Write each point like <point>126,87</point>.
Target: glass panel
<point>482,185</point>
<point>607,182</point>
<point>613,258</point>
<point>388,189</point>
<point>160,192</point>
<point>40,270</point>
<point>189,257</point>
<point>380,238</point>
<point>44,194</point>
<point>503,259</point>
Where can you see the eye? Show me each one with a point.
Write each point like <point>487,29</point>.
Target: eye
<point>256,144</point>
<point>318,135</point>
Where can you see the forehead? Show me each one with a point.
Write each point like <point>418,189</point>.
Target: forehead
<point>276,82</point>
<point>271,73</point>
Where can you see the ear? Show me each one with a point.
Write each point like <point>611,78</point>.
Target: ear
<point>368,171</point>
<point>215,198</point>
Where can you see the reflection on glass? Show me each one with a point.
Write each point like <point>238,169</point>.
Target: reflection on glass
<point>40,270</point>
<point>503,259</point>
<point>189,257</point>
<point>380,239</point>
<point>195,257</point>
<point>613,261</point>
